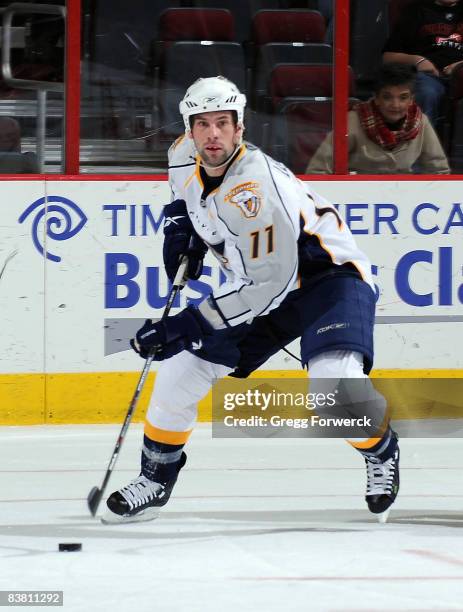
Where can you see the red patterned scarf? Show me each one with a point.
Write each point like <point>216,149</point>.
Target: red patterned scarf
<point>373,124</point>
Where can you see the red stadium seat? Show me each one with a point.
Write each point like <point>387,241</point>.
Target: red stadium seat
<point>196,24</point>
<point>305,124</point>
<point>302,100</point>
<point>271,54</point>
<point>288,26</point>
<point>301,126</point>
<point>297,80</point>
<point>240,9</point>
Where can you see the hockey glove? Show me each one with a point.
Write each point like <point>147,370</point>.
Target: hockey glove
<point>181,239</point>
<point>171,335</point>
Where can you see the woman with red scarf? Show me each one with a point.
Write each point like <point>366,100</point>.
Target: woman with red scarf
<point>388,134</point>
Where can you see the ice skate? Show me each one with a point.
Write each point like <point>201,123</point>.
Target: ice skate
<point>382,485</point>
<point>140,500</point>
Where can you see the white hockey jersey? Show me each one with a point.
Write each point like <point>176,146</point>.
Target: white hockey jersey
<point>252,224</point>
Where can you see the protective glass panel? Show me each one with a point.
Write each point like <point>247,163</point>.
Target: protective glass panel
<point>388,132</point>
<point>140,57</point>
<point>32,87</point>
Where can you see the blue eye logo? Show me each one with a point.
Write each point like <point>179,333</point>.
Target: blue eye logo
<point>59,221</point>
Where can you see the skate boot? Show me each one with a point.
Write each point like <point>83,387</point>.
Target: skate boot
<point>140,500</point>
<point>382,484</point>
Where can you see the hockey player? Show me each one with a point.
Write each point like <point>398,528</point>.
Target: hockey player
<point>293,271</point>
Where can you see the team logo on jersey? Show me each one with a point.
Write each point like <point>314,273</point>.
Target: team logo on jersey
<point>454,40</point>
<point>247,197</point>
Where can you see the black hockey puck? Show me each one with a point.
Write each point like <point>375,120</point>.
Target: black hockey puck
<point>63,547</point>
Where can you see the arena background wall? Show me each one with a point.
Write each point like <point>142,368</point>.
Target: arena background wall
<point>81,267</point>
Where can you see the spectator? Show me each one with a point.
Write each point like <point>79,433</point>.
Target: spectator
<point>10,135</point>
<point>429,35</point>
<point>388,134</point>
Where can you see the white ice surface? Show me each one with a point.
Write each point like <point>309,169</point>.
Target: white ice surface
<point>253,525</point>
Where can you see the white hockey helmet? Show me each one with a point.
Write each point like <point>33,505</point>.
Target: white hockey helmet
<point>212,94</point>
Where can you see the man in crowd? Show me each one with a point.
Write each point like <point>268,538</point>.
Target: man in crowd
<point>429,36</point>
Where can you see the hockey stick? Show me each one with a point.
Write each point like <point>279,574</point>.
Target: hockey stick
<point>95,495</point>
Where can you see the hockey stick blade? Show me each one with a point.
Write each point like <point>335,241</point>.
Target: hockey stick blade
<point>93,500</point>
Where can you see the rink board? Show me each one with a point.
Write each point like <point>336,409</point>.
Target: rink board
<point>82,267</point>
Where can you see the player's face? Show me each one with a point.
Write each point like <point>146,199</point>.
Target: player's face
<point>394,101</point>
<point>215,136</point>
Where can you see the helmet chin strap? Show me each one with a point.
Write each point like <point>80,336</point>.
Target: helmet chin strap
<point>207,167</point>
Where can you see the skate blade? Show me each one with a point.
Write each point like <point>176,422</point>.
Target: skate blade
<point>110,518</point>
<point>382,518</point>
